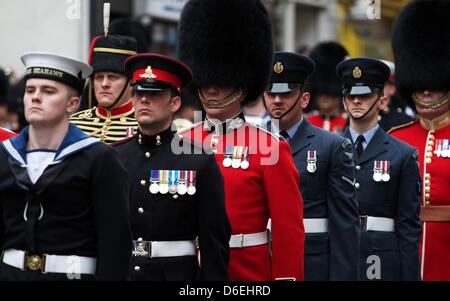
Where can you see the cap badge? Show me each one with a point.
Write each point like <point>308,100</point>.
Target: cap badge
<point>148,73</point>
<point>278,68</point>
<point>357,73</point>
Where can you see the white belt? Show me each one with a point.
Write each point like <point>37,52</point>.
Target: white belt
<point>312,225</point>
<point>248,240</point>
<point>315,225</point>
<point>50,263</point>
<point>154,249</point>
<point>373,223</point>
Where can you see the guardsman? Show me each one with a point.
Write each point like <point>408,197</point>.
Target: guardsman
<point>324,161</point>
<point>422,75</point>
<point>387,178</point>
<point>176,197</point>
<point>394,113</point>
<point>113,119</point>
<point>325,87</point>
<point>5,134</point>
<point>261,180</point>
<point>63,195</point>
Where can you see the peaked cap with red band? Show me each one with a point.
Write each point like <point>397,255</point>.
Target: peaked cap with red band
<point>155,70</point>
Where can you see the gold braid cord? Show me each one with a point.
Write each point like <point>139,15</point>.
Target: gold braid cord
<point>221,103</point>
<point>433,105</point>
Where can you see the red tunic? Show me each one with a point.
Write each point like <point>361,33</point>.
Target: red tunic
<point>435,171</point>
<point>6,134</point>
<point>335,124</point>
<point>264,190</point>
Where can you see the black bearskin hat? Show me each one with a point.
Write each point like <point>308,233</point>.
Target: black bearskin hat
<point>324,80</point>
<point>421,45</point>
<point>227,43</point>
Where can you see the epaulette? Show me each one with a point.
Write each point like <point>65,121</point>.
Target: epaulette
<point>277,137</point>
<point>401,126</point>
<point>123,141</point>
<point>84,114</point>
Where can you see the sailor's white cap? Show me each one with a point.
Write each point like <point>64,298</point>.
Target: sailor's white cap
<point>52,66</point>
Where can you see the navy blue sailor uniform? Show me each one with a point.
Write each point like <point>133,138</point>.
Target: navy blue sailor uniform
<point>387,185</point>
<point>324,161</point>
<point>72,222</point>
<point>177,191</point>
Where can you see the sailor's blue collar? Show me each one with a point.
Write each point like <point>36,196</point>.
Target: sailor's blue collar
<point>74,141</point>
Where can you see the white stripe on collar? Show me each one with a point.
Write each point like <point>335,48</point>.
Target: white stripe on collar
<point>13,152</point>
<point>76,147</point>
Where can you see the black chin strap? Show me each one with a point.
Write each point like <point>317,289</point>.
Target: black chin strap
<point>364,115</point>
<point>287,112</point>
<point>120,96</point>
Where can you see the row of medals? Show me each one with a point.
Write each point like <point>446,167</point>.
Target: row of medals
<point>176,185</point>
<point>442,148</point>
<point>236,157</point>
<point>381,171</point>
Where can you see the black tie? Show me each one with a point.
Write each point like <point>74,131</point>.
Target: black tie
<point>359,145</point>
<point>285,135</point>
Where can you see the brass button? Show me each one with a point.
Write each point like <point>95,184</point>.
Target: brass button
<point>358,167</point>
<point>429,148</point>
<point>429,154</point>
<point>430,143</point>
<point>175,196</point>
<point>427,188</point>
<point>141,210</point>
<point>427,176</point>
<point>428,160</point>
<point>357,185</point>
<point>432,137</point>
<point>427,203</point>
<point>147,155</point>
<point>427,182</point>
<point>427,196</point>
<point>143,182</point>
<point>137,268</point>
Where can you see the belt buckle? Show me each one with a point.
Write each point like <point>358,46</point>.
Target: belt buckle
<point>363,222</point>
<point>142,248</point>
<point>35,263</point>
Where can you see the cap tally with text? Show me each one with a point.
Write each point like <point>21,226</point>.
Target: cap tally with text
<point>56,67</point>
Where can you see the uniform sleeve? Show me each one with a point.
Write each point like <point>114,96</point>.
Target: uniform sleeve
<point>281,183</point>
<point>343,216</point>
<point>110,194</point>
<point>408,225</point>
<point>214,227</point>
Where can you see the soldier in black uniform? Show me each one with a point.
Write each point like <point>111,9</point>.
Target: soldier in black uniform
<point>326,170</point>
<point>63,195</point>
<point>175,196</point>
<point>387,178</point>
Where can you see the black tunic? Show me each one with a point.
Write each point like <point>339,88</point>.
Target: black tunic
<point>85,209</point>
<point>172,217</point>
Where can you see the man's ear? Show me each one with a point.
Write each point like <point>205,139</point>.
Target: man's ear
<point>305,98</point>
<point>383,103</point>
<point>73,105</point>
<point>176,104</point>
